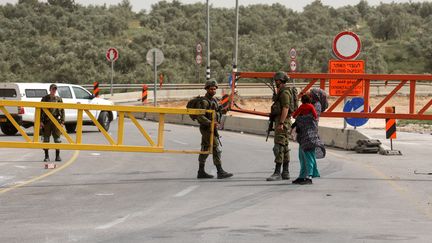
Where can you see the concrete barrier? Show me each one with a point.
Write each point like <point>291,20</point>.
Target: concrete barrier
<point>333,137</point>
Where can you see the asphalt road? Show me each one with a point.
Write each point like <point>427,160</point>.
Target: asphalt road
<point>137,197</point>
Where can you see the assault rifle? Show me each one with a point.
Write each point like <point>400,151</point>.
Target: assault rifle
<point>270,126</point>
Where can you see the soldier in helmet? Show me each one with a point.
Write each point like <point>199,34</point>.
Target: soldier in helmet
<point>48,126</point>
<point>210,103</point>
<point>280,111</point>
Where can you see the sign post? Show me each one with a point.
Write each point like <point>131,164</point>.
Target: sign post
<point>112,56</point>
<point>155,57</point>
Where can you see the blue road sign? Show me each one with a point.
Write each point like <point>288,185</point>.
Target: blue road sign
<point>355,105</point>
<point>230,80</point>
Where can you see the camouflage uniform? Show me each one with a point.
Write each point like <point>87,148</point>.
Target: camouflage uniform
<point>48,126</point>
<point>210,103</point>
<point>281,100</point>
<point>280,148</point>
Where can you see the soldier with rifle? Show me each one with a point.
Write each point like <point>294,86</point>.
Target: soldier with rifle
<point>281,109</point>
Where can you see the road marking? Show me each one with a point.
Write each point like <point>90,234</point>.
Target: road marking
<point>403,191</point>
<point>179,142</point>
<point>21,166</point>
<point>95,154</point>
<point>71,161</point>
<point>186,191</point>
<point>104,194</point>
<point>114,223</point>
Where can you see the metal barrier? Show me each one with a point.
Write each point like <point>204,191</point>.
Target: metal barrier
<point>398,79</point>
<point>118,145</point>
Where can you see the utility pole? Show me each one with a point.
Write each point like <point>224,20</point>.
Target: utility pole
<point>208,42</point>
<point>236,39</point>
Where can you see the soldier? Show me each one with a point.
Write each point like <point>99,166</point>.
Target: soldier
<point>281,111</point>
<point>48,126</point>
<point>210,103</point>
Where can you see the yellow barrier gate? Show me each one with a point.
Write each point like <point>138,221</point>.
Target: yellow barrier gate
<point>123,111</point>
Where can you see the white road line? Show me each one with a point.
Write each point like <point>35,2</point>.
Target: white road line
<point>113,223</point>
<point>104,194</point>
<point>179,142</point>
<point>186,191</point>
<point>95,154</point>
<point>21,166</point>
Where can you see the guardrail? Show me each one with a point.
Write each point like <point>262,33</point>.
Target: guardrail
<point>411,81</point>
<point>239,85</point>
<point>113,145</point>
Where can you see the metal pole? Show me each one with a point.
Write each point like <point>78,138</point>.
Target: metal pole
<point>236,39</point>
<point>208,42</point>
<point>345,123</point>
<point>112,76</point>
<point>155,79</point>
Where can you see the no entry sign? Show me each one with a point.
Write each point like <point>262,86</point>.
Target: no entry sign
<point>346,45</point>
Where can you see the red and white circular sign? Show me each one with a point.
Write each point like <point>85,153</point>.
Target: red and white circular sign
<point>293,65</point>
<point>198,59</point>
<point>293,53</point>
<point>199,48</point>
<point>346,45</point>
<point>112,54</point>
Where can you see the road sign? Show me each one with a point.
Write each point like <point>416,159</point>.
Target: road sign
<point>198,59</point>
<point>339,86</point>
<point>390,124</point>
<point>293,53</point>
<point>112,54</point>
<point>346,45</point>
<point>159,56</point>
<point>199,48</point>
<point>355,105</point>
<point>293,65</point>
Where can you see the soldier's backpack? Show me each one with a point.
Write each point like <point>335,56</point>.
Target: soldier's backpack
<point>293,105</point>
<point>195,103</point>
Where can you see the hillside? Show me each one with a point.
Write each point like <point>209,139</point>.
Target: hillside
<point>65,42</point>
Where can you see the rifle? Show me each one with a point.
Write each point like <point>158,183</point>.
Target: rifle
<point>271,116</point>
<point>270,126</point>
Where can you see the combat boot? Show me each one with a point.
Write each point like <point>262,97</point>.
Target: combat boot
<point>285,171</point>
<point>46,156</point>
<point>57,155</point>
<point>221,174</point>
<point>202,174</point>
<point>275,177</point>
<point>276,174</point>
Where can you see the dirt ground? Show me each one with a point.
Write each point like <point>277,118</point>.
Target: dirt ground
<point>401,104</point>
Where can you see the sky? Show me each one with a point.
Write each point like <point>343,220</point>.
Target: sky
<point>297,5</point>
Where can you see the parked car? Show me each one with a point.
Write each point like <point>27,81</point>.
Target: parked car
<point>70,93</point>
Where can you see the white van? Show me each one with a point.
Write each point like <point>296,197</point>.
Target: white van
<point>70,93</point>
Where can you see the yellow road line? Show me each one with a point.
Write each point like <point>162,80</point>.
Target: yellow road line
<point>71,161</point>
<point>403,191</point>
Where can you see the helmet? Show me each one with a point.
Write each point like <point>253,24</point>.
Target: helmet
<point>210,83</point>
<point>282,76</point>
<point>53,86</point>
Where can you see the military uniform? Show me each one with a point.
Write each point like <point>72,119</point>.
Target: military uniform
<point>49,129</point>
<point>280,148</point>
<point>210,103</point>
<point>281,100</point>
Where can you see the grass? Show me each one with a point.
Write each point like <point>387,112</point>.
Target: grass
<point>423,123</point>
